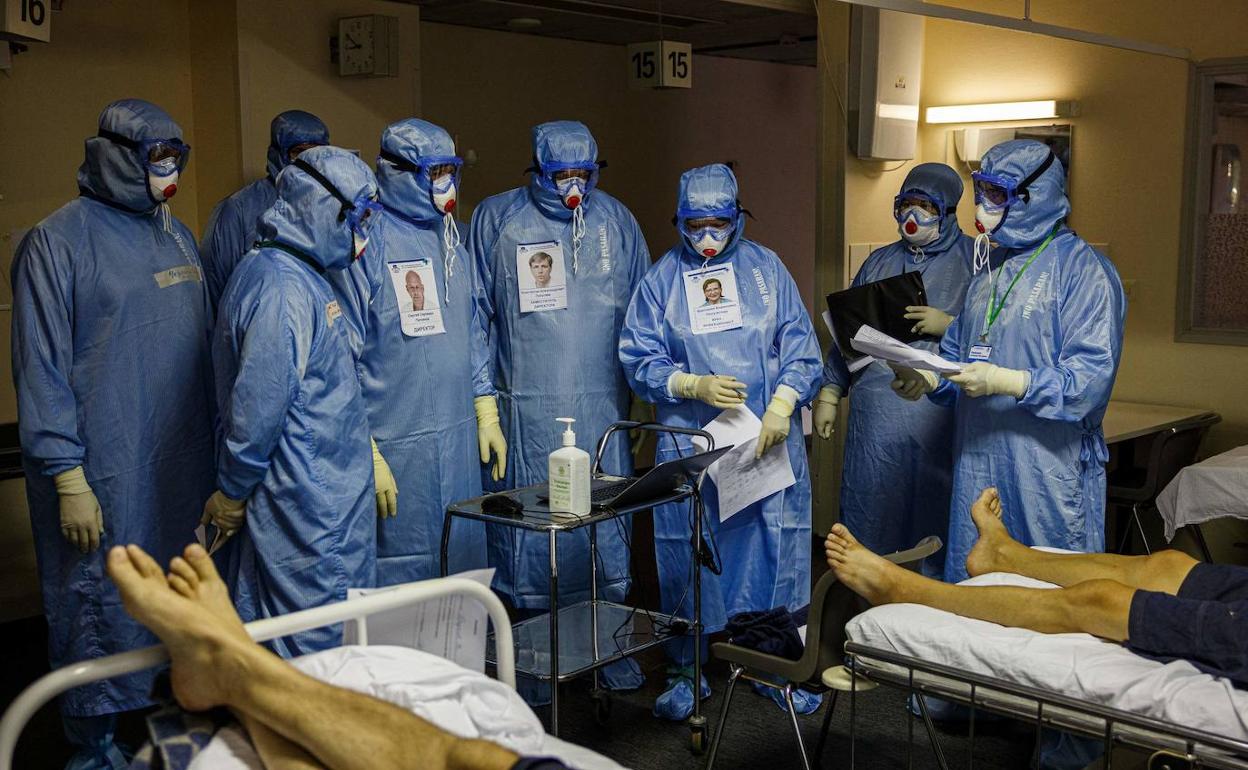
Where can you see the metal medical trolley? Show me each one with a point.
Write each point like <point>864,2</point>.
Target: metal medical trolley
<point>594,621</point>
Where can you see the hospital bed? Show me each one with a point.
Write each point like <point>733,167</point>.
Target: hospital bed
<point>1076,683</point>
<point>397,674</point>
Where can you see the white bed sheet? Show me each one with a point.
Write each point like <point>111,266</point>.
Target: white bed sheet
<point>463,702</point>
<point>1077,665</point>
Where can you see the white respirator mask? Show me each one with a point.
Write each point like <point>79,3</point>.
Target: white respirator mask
<point>444,202</point>
<point>987,220</point>
<point>162,179</point>
<point>917,227</point>
<point>572,191</point>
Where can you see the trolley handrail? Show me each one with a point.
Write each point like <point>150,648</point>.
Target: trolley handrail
<point>52,684</point>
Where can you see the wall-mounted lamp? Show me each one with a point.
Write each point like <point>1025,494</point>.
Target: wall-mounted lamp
<point>1002,111</point>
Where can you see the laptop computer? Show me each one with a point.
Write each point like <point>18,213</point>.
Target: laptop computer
<point>659,481</point>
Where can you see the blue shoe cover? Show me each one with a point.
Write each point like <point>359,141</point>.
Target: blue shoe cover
<point>803,702</point>
<point>676,702</point>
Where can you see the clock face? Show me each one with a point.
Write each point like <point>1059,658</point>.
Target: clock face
<point>356,46</point>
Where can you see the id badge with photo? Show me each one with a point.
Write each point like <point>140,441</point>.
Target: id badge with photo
<point>541,276</point>
<point>416,290</point>
<point>713,300</point>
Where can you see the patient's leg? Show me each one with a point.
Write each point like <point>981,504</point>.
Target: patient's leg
<point>215,663</point>
<point>996,551</point>
<point>1098,607</point>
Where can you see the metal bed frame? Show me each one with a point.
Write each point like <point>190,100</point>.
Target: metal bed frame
<point>56,682</point>
<point>1172,746</point>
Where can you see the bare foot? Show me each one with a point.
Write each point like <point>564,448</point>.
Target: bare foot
<point>204,646</point>
<point>194,576</point>
<point>990,551</point>
<point>866,574</point>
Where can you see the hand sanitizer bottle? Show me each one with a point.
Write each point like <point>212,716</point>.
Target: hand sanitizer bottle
<point>569,475</point>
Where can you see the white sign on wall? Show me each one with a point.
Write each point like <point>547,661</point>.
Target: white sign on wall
<point>26,20</point>
<point>660,64</point>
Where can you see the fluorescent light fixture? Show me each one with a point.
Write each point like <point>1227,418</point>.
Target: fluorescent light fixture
<point>1001,111</point>
<point>908,112</point>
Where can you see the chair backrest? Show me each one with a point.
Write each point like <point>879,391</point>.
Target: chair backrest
<point>1173,450</point>
<point>832,605</point>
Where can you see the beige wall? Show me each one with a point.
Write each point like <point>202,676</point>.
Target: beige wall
<point>490,88</point>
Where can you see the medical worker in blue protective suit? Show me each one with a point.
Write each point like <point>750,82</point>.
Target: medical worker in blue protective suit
<point>423,340</point>
<point>294,477</point>
<point>231,230</point>
<point>112,371</point>
<point>553,348</point>
<point>694,362</point>
<point>1041,333</point>
<point>898,460</point>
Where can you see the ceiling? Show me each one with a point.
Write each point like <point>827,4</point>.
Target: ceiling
<point>765,30</point>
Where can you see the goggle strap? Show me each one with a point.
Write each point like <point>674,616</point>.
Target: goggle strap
<point>1021,189</point>
<point>307,168</point>
<point>117,138</point>
<point>400,162</point>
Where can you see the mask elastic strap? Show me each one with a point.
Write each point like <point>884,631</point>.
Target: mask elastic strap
<point>450,242</point>
<point>578,232</point>
<point>981,252</point>
<point>117,138</point>
<point>347,205</point>
<point>917,254</point>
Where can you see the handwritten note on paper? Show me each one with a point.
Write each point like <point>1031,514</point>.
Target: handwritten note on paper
<point>452,627</point>
<point>742,481</point>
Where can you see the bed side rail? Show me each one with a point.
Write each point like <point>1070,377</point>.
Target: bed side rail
<point>56,682</point>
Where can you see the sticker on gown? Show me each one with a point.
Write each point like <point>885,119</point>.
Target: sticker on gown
<point>416,290</point>
<point>714,303</point>
<point>541,276</point>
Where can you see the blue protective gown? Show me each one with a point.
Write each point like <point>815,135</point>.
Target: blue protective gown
<point>419,389</point>
<point>231,230</point>
<point>295,442</point>
<point>111,366</point>
<point>765,548</point>
<point>558,363</point>
<point>899,454</point>
<point>1062,323</point>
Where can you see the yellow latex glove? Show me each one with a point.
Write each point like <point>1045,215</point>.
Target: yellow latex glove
<point>929,320</point>
<point>824,417</point>
<point>912,384</point>
<point>82,521</point>
<point>720,391</point>
<point>776,420</point>
<point>639,411</point>
<point>226,513</point>
<point>490,437</point>
<point>984,379</point>
<point>387,490</point>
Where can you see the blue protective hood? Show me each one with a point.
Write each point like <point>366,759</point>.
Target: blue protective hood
<point>709,191</point>
<point>289,129</point>
<point>560,142</point>
<point>116,173</point>
<point>401,190</point>
<point>938,181</point>
<point>1028,223</point>
<point>307,217</point>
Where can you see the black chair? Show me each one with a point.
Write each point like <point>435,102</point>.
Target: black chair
<point>832,605</point>
<point>1137,488</point>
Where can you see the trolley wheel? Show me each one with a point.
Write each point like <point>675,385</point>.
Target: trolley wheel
<point>602,705</point>
<point>697,739</point>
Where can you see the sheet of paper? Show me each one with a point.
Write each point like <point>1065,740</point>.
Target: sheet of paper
<point>742,481</point>
<point>733,427</point>
<point>452,627</point>
<point>880,345</point>
<point>857,363</point>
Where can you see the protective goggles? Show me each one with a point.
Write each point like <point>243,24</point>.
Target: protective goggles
<point>930,208</point>
<point>718,228</point>
<point>439,171</point>
<point>357,213</point>
<point>997,191</point>
<point>557,176</point>
<point>699,219</point>
<point>155,153</point>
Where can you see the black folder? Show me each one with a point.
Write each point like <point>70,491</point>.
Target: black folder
<point>880,305</point>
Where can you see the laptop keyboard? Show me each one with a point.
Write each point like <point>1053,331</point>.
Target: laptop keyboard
<point>609,491</point>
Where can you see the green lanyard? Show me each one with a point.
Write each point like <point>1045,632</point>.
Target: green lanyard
<point>994,307</point>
